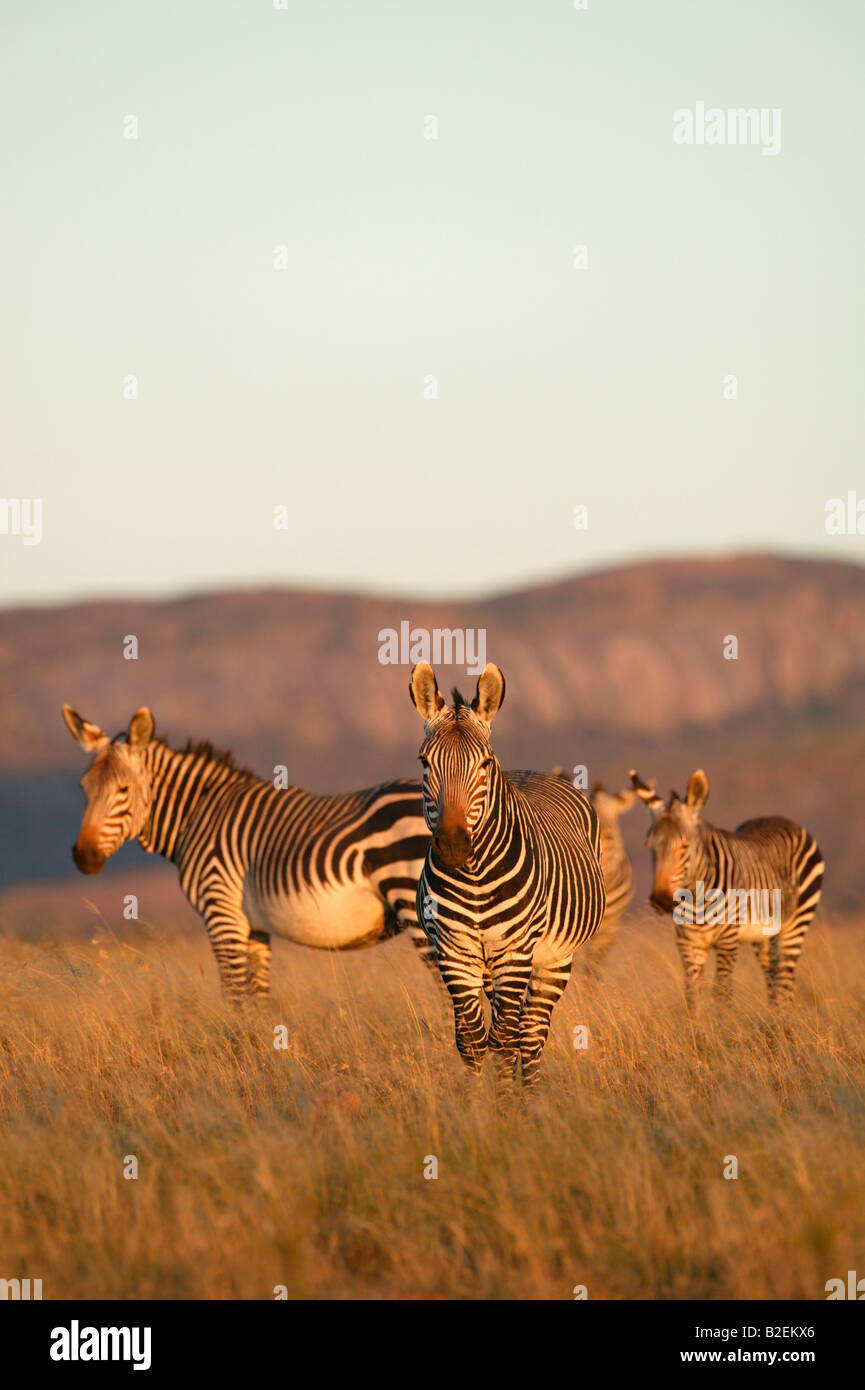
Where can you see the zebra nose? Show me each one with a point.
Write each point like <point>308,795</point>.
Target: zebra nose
<point>87,860</point>
<point>452,846</point>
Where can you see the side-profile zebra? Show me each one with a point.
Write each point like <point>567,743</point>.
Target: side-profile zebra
<point>336,872</point>
<point>759,883</point>
<point>512,881</point>
<point>615,865</point>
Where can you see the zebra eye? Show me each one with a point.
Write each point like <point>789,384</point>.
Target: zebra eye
<point>123,790</point>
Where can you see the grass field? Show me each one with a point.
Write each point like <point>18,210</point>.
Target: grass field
<point>304,1167</point>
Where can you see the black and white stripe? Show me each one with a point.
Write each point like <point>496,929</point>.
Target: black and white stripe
<point>335,872</point>
<point>615,865</point>
<point>512,882</point>
<point>740,868</point>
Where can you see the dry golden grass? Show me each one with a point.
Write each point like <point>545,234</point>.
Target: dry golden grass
<point>304,1167</point>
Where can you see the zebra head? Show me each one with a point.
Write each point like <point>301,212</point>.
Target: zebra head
<point>456,758</point>
<point>116,785</point>
<point>610,805</point>
<point>673,836</point>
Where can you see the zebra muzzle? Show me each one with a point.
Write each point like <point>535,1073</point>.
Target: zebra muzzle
<point>452,847</point>
<point>87,860</point>
<point>661,901</point>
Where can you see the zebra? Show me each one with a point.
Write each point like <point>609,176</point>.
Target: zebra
<point>717,885</point>
<point>615,865</point>
<point>511,884</point>
<point>335,872</point>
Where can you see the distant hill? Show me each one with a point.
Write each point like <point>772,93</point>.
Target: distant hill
<point>610,670</point>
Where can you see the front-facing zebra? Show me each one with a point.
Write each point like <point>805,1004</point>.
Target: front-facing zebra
<point>335,872</point>
<point>760,883</point>
<point>512,880</point>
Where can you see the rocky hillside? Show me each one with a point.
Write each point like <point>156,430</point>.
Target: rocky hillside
<point>608,670</point>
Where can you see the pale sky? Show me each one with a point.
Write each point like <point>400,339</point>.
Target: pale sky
<point>410,258</point>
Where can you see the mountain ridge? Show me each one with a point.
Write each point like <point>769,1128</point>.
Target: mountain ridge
<point>612,669</point>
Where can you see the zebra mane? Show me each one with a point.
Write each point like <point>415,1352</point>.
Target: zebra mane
<point>203,748</point>
<point>459,702</point>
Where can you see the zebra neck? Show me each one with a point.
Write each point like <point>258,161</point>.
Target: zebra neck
<point>705,866</point>
<point>179,780</point>
<point>500,826</point>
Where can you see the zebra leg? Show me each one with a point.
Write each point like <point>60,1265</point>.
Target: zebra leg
<point>229,933</point>
<point>725,959</point>
<point>693,956</point>
<point>778,968</point>
<point>466,989</point>
<point>786,950</point>
<point>509,980</point>
<point>763,952</point>
<point>546,987</point>
<point>787,945</point>
<point>773,971</point>
<point>427,952</point>
<point>258,963</point>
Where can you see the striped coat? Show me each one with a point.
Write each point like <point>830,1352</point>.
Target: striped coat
<point>512,881</point>
<point>615,865</point>
<point>760,884</point>
<point>336,872</point>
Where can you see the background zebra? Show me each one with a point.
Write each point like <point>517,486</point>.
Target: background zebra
<point>615,865</point>
<point>762,857</point>
<point>512,880</point>
<point>336,872</point>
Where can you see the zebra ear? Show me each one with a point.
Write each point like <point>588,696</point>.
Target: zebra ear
<point>424,690</point>
<point>141,727</point>
<point>698,791</point>
<point>626,799</point>
<point>490,694</point>
<point>88,735</point>
<point>647,794</point>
